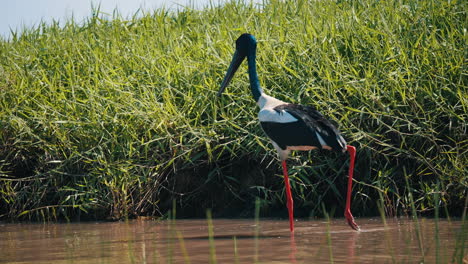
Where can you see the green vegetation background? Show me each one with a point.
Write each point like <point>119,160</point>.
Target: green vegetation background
<point>117,117</point>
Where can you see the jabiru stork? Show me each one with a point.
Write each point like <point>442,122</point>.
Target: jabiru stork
<point>290,126</point>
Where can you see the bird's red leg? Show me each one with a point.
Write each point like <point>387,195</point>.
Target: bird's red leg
<point>348,215</point>
<point>289,200</point>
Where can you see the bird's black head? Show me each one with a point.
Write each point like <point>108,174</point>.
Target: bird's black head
<point>246,45</point>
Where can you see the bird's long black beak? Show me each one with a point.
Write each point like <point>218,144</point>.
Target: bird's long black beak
<point>235,63</point>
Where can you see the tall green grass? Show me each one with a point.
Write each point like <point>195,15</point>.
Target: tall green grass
<point>115,117</point>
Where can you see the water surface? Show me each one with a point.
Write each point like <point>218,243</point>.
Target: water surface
<point>233,241</point>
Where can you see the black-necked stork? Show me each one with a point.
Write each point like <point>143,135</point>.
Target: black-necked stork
<point>290,126</point>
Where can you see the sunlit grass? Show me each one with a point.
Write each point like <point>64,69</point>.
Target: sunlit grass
<point>116,117</point>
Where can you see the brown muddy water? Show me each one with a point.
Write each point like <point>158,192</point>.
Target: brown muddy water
<point>234,241</point>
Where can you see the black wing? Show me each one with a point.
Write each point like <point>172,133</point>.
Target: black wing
<point>304,131</point>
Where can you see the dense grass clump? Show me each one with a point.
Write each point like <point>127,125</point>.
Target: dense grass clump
<point>117,117</point>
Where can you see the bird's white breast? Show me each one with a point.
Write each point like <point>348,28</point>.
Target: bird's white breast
<point>268,114</point>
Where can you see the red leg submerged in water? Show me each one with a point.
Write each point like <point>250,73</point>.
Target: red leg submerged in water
<point>289,200</point>
<point>348,215</point>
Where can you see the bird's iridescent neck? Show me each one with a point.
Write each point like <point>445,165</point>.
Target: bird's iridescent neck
<point>253,77</point>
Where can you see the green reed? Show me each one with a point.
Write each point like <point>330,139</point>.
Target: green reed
<point>388,238</point>
<point>209,219</point>
<point>415,219</point>
<point>183,248</point>
<point>436,216</point>
<point>114,117</point>
<point>460,249</point>
<point>257,229</point>
<point>329,240</point>
<point>236,253</point>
